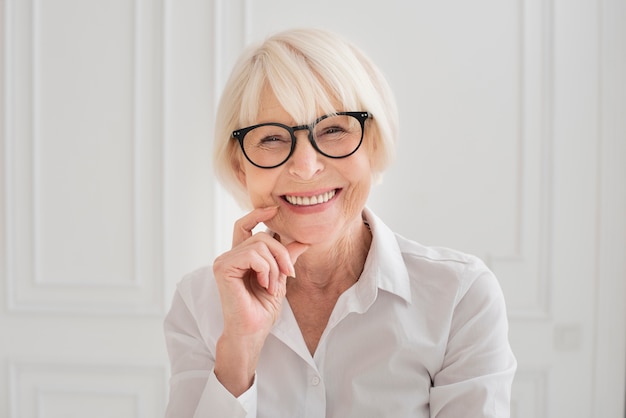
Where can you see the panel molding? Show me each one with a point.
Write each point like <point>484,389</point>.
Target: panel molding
<point>29,288</point>
<point>528,397</point>
<point>231,35</point>
<point>609,378</point>
<point>46,393</point>
<point>527,272</point>
<point>31,382</point>
<point>40,278</point>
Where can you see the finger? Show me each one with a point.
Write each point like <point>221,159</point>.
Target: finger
<point>261,268</point>
<point>262,255</point>
<point>280,261</point>
<point>294,250</point>
<point>255,256</point>
<point>280,258</point>
<point>287,259</point>
<point>272,274</point>
<point>244,226</point>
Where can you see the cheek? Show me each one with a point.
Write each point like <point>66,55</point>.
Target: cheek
<point>357,195</point>
<point>276,224</point>
<point>260,185</point>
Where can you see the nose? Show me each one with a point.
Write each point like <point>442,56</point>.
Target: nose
<point>305,162</point>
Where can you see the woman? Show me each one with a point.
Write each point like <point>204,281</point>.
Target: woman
<point>328,313</point>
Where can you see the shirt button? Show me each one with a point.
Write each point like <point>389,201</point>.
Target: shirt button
<point>315,381</point>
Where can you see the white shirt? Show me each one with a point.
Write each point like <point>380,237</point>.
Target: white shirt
<point>422,333</point>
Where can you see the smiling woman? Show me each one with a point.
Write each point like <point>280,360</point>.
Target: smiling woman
<point>307,81</point>
<point>329,312</point>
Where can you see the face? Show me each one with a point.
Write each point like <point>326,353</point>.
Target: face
<point>320,199</point>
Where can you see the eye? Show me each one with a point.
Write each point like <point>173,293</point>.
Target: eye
<point>268,137</point>
<point>330,133</point>
<point>272,142</point>
<point>332,130</point>
<point>273,138</point>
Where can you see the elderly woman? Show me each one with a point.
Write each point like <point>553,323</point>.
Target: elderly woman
<point>328,313</point>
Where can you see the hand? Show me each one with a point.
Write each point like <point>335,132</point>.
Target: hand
<point>252,276</point>
<point>251,279</point>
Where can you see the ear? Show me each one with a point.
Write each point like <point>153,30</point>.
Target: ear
<point>372,150</point>
<point>241,174</point>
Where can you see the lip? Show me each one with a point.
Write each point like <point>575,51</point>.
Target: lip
<point>309,194</point>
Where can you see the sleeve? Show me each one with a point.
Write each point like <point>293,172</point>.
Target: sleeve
<point>195,391</point>
<point>478,367</point>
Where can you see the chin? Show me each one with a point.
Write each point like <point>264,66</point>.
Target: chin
<point>304,234</point>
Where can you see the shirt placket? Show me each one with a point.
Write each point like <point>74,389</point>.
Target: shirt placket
<point>316,395</point>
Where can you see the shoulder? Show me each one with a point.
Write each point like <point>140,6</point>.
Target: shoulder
<point>198,292</point>
<point>431,271</point>
<point>447,270</point>
<point>440,259</point>
<point>199,281</point>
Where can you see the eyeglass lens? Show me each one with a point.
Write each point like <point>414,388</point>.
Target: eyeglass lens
<point>335,136</point>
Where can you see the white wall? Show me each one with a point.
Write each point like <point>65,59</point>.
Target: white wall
<point>513,147</point>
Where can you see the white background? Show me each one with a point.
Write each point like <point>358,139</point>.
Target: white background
<point>513,147</point>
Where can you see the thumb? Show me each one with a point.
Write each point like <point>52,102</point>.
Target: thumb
<point>295,250</point>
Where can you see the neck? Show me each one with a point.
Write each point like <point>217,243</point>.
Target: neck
<point>333,267</point>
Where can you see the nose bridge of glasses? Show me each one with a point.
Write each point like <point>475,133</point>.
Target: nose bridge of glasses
<point>307,128</point>
<point>307,146</point>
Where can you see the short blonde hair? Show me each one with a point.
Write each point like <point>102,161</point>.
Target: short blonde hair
<point>307,69</point>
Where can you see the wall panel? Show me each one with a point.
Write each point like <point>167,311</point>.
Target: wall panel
<point>54,390</point>
<point>528,397</point>
<point>84,179</point>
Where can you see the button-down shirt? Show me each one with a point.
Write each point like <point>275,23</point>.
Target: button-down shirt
<point>422,333</point>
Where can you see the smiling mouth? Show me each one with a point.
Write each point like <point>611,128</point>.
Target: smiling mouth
<point>310,200</point>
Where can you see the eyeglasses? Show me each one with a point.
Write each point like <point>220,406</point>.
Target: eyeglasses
<point>269,145</point>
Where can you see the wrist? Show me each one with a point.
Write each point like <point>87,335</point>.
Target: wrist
<point>235,363</point>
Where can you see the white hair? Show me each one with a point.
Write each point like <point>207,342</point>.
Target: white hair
<point>307,70</point>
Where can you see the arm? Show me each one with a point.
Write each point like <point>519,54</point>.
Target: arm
<point>478,367</point>
<point>251,281</point>
<point>194,388</point>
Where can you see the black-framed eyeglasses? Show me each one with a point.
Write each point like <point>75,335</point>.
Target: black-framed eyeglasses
<point>269,145</point>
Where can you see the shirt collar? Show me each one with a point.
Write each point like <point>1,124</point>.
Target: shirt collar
<point>384,268</point>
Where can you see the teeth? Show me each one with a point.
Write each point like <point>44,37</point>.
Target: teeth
<point>310,200</point>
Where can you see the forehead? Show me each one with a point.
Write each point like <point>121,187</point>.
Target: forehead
<point>272,109</point>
